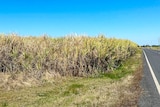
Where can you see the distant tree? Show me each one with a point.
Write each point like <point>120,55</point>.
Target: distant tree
<point>155,45</point>
<point>146,46</point>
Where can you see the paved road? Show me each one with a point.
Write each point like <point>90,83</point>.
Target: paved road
<point>150,85</point>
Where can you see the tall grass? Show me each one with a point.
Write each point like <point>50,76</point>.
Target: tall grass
<point>67,56</point>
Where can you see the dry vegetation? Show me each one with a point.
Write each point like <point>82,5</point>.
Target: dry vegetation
<point>32,59</point>
<point>119,89</point>
<point>70,72</point>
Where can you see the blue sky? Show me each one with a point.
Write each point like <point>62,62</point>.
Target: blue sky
<point>136,20</point>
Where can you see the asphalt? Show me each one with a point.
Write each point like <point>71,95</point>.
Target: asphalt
<point>150,96</point>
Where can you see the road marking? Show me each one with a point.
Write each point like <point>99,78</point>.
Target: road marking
<point>153,75</point>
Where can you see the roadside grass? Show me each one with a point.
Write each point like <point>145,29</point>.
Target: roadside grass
<point>127,67</point>
<point>155,48</point>
<point>114,89</point>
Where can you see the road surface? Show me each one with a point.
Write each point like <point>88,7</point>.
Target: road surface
<point>151,79</point>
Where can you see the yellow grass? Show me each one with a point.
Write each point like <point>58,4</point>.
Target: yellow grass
<point>36,59</point>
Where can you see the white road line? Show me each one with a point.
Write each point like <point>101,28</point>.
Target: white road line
<point>153,75</point>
